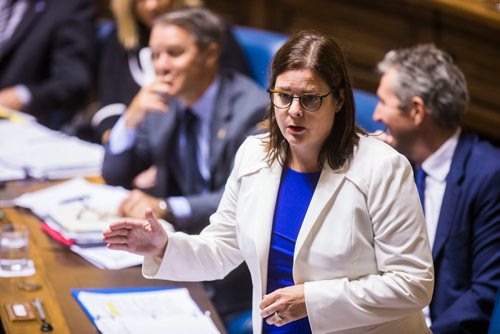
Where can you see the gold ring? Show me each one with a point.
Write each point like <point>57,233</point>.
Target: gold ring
<point>278,316</point>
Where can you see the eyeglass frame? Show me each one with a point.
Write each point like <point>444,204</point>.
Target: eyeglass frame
<point>321,97</point>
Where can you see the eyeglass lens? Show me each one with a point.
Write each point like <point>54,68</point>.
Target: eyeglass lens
<point>283,100</point>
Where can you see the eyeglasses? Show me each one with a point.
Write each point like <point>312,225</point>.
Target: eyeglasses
<point>309,102</point>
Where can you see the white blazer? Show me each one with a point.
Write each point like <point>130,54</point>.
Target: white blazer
<point>362,251</point>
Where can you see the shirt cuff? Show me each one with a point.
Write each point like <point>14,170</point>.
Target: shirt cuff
<point>121,138</point>
<point>115,109</point>
<point>181,210</point>
<point>24,94</point>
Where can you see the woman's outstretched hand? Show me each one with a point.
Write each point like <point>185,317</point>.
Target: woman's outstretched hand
<point>143,237</point>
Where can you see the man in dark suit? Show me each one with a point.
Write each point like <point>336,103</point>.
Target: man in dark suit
<point>46,50</point>
<point>188,124</point>
<point>423,96</point>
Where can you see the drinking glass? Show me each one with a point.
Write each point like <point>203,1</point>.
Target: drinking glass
<point>14,247</point>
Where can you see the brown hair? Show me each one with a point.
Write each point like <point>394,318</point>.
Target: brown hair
<point>317,52</point>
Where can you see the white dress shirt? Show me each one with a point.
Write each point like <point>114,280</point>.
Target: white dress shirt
<point>437,167</point>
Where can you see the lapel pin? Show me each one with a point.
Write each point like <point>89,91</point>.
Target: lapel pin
<point>221,134</point>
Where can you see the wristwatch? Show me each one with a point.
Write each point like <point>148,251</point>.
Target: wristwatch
<point>165,209</point>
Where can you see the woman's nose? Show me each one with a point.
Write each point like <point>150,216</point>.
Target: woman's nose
<point>295,109</point>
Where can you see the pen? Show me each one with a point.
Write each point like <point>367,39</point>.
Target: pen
<point>74,199</point>
<point>46,327</point>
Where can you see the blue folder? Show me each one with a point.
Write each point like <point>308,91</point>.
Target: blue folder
<point>76,293</point>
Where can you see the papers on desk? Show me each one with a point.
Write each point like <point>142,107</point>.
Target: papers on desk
<point>15,116</point>
<point>76,193</point>
<point>9,173</point>
<point>144,310</point>
<point>43,153</point>
<point>76,212</point>
<point>105,258</point>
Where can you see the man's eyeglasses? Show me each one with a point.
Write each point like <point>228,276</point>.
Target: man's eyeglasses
<point>309,102</point>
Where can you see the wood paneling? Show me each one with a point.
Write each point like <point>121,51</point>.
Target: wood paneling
<point>468,29</point>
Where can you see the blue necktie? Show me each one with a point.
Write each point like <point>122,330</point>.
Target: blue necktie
<point>192,173</point>
<point>420,181</point>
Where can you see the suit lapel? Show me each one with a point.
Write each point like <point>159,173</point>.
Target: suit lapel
<point>327,187</point>
<point>265,203</point>
<point>452,193</point>
<point>33,11</point>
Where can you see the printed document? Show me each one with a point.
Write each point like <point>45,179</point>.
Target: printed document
<point>136,311</point>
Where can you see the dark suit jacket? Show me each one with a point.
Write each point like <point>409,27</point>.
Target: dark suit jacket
<point>466,249</point>
<point>51,53</point>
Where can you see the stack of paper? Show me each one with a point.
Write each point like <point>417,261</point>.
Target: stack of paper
<point>144,310</point>
<point>9,173</point>
<point>75,213</point>
<point>44,153</point>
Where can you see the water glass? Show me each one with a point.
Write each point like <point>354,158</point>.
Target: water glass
<point>14,247</point>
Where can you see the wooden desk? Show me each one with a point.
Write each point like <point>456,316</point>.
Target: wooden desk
<point>59,270</point>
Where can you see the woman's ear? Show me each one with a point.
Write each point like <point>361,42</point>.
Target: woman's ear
<point>340,101</point>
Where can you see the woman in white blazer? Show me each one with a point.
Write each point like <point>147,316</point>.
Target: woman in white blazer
<point>327,219</point>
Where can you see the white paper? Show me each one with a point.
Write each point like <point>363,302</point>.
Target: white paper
<point>105,258</point>
<point>43,202</point>
<point>157,311</point>
<point>9,173</point>
<point>46,153</point>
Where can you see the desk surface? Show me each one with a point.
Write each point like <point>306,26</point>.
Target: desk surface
<point>59,270</point>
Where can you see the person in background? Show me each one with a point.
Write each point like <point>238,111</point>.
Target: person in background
<point>46,57</point>
<point>189,124</point>
<point>314,207</point>
<point>125,61</point>
<point>423,97</point>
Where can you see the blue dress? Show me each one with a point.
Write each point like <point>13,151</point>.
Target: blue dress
<point>294,196</point>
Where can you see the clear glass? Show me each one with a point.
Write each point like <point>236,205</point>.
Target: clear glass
<point>14,247</point>
<point>309,102</point>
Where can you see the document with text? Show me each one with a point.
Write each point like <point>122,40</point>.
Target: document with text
<point>144,310</point>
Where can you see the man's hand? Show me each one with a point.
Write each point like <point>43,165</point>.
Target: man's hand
<point>136,204</point>
<point>139,237</point>
<point>149,98</point>
<point>284,305</point>
<point>146,179</point>
<point>10,98</point>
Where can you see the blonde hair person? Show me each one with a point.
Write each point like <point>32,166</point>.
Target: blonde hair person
<point>126,13</point>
